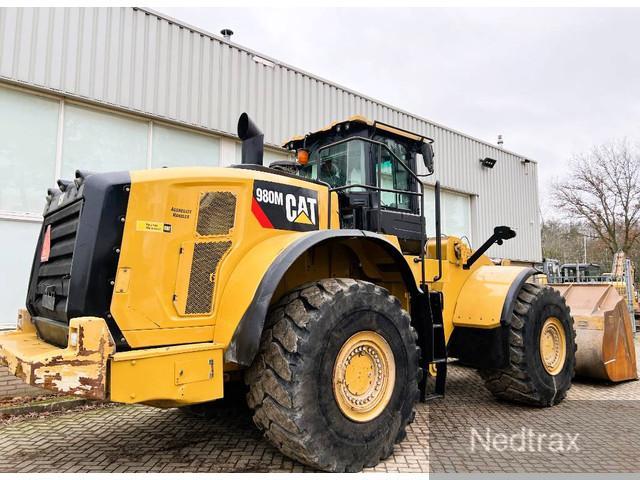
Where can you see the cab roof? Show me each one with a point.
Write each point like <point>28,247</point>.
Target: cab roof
<point>299,140</point>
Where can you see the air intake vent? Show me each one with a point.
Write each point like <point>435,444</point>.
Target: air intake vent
<point>202,280</point>
<point>216,214</point>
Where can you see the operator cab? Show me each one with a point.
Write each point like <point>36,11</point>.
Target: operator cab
<point>372,167</point>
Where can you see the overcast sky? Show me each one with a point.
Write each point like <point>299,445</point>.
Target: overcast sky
<point>553,82</point>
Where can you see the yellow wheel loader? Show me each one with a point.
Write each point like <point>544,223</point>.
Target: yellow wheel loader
<point>312,281</point>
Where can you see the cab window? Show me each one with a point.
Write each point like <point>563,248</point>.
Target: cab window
<point>338,166</point>
<point>394,176</point>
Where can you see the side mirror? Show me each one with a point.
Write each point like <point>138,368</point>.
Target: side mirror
<point>503,233</point>
<point>426,150</point>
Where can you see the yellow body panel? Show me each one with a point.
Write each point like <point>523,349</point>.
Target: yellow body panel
<point>168,376</point>
<point>481,300</point>
<point>170,336</point>
<point>151,270</point>
<point>240,286</point>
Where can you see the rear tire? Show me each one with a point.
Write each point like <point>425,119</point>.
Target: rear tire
<point>528,378</point>
<point>292,382</point>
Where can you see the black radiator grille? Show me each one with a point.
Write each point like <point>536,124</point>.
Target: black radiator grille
<point>202,280</point>
<point>216,215</point>
<point>54,275</point>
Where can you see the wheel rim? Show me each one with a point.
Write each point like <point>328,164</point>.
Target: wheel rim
<point>364,376</point>
<point>553,345</point>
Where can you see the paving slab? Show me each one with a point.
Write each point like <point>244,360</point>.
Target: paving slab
<point>465,432</point>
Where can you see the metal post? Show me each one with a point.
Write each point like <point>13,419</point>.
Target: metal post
<point>584,238</point>
<point>438,232</point>
<point>628,284</point>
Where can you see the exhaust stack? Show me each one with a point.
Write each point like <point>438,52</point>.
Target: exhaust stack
<point>252,141</point>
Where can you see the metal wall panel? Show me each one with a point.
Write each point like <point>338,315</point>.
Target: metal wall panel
<point>141,61</point>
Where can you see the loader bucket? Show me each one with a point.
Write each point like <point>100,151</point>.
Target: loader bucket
<point>604,337</point>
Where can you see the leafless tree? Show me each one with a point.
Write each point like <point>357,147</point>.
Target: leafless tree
<point>602,191</point>
<point>565,241</point>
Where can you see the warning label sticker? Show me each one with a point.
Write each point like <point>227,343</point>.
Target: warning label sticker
<point>285,207</point>
<point>147,226</point>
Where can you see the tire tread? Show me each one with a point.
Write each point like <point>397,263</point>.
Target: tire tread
<point>273,389</point>
<point>514,383</point>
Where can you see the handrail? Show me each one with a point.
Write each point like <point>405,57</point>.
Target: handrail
<point>438,233</point>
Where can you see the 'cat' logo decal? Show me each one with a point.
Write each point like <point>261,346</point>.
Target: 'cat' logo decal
<point>285,207</point>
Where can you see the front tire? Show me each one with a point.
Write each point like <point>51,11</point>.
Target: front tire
<point>336,379</point>
<point>542,349</point>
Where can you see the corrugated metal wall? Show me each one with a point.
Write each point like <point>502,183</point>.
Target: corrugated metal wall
<point>139,61</point>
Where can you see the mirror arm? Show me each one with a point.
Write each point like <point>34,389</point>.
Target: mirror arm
<point>500,234</point>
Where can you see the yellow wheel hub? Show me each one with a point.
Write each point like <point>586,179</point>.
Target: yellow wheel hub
<point>364,375</point>
<point>553,345</point>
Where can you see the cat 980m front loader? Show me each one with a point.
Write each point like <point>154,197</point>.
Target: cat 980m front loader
<point>314,283</point>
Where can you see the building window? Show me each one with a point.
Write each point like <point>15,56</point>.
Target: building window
<point>28,133</point>
<point>269,157</point>
<point>102,142</point>
<point>174,147</point>
<point>455,213</point>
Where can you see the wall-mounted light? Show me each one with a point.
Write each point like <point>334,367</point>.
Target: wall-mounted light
<point>488,162</point>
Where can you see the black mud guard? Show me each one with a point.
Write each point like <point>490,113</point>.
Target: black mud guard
<point>246,339</point>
